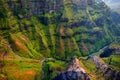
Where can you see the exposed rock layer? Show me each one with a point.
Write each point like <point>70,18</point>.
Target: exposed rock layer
<point>60,28</point>
<point>73,72</point>
<point>109,73</point>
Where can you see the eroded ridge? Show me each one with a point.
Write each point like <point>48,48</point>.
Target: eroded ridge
<point>73,72</point>
<point>108,72</point>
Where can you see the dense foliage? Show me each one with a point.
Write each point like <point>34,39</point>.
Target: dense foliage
<point>53,28</point>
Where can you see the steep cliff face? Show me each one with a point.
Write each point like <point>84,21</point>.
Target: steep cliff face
<point>108,73</point>
<point>112,56</point>
<point>56,28</point>
<point>73,72</point>
<point>32,30</point>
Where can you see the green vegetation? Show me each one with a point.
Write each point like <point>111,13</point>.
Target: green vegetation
<point>33,31</point>
<point>113,62</point>
<point>113,59</point>
<point>95,74</point>
<point>52,68</point>
<point>21,68</point>
<point>56,33</point>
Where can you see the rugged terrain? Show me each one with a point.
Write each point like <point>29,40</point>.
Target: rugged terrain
<point>32,31</point>
<point>74,72</point>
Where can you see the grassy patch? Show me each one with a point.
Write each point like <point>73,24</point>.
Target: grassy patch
<point>19,69</point>
<point>52,68</point>
<point>91,70</point>
<point>115,62</point>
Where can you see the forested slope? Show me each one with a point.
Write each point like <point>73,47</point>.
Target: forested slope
<point>32,30</point>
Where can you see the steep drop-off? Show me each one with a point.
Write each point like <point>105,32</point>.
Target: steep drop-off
<point>56,28</point>
<point>32,30</point>
<point>73,72</point>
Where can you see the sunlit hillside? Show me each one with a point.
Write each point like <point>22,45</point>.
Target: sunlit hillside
<point>59,40</point>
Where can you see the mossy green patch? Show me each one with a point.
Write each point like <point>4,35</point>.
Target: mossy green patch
<point>92,71</point>
<point>113,61</point>
<point>52,68</point>
<point>23,68</point>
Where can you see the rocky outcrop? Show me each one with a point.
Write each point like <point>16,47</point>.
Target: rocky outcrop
<point>35,7</point>
<point>73,72</point>
<point>108,73</point>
